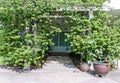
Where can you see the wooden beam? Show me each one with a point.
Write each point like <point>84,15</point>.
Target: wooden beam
<point>81,8</point>
<point>55,16</point>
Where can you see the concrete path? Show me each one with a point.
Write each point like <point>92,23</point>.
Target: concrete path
<point>57,69</point>
<point>59,64</point>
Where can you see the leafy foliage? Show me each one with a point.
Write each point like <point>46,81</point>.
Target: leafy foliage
<point>25,35</point>
<point>95,39</point>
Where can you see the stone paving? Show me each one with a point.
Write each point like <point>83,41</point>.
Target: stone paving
<point>57,69</point>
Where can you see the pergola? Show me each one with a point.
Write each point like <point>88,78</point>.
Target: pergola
<point>60,45</point>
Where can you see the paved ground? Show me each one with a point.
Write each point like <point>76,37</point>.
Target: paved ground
<point>56,70</point>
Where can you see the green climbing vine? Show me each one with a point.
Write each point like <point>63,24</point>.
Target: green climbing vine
<point>27,30</point>
<point>95,39</point>
<point>25,35</point>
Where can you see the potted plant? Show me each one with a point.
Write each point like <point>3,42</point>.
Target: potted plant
<point>96,40</point>
<point>103,45</point>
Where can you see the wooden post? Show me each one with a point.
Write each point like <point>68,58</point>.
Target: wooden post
<point>90,13</point>
<point>35,36</point>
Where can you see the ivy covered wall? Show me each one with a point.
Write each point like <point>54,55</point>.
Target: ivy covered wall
<point>27,29</point>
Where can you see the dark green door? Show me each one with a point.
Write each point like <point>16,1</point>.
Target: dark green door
<point>60,44</point>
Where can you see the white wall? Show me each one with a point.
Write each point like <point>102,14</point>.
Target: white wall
<point>114,4</point>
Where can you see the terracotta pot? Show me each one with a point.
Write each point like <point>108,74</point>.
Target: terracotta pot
<point>101,69</point>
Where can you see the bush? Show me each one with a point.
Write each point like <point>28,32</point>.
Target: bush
<point>24,32</point>
<point>95,39</point>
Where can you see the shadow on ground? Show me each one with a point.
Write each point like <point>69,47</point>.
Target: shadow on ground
<point>62,60</point>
